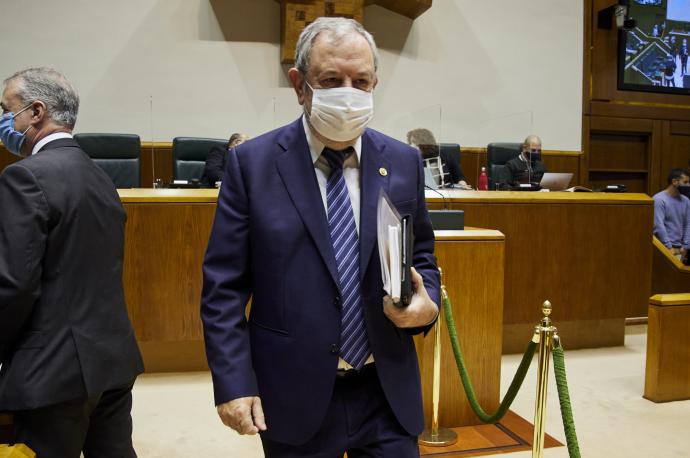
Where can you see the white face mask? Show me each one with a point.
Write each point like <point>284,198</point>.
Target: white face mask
<point>342,113</point>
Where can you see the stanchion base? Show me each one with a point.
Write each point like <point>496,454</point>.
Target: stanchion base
<point>444,438</point>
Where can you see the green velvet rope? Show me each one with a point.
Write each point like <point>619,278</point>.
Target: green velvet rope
<point>564,399</point>
<point>467,383</point>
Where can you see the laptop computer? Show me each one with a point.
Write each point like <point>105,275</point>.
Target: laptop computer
<point>556,181</point>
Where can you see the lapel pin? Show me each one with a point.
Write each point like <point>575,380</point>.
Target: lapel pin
<point>383,172</point>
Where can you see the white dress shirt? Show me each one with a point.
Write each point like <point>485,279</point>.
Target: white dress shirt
<point>49,138</point>
<point>352,181</point>
<point>323,170</point>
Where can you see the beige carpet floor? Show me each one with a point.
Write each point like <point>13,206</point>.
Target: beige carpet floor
<point>174,414</point>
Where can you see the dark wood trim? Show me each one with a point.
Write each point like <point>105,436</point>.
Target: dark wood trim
<point>638,320</point>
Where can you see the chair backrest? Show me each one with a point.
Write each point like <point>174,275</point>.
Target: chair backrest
<point>189,156</point>
<point>497,154</point>
<point>117,154</point>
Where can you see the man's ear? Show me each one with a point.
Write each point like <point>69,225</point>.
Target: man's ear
<point>297,80</point>
<point>39,112</point>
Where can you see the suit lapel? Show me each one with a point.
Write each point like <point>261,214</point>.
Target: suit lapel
<point>373,163</point>
<point>297,172</point>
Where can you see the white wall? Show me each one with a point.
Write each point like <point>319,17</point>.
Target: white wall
<point>472,71</point>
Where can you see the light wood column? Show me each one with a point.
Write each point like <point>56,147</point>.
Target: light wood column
<point>667,375</point>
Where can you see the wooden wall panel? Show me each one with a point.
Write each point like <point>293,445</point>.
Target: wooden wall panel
<point>165,244</point>
<point>472,160</point>
<point>676,147</point>
<point>618,151</point>
<point>161,252</point>
<point>6,158</point>
<point>618,124</point>
<point>573,245</point>
<point>623,151</point>
<point>156,162</point>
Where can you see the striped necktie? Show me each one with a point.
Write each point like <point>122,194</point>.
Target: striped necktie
<point>354,343</point>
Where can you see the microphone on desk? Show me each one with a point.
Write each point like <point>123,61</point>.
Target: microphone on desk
<point>446,219</point>
<point>445,202</point>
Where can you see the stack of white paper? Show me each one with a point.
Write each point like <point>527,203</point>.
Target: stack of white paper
<point>388,229</point>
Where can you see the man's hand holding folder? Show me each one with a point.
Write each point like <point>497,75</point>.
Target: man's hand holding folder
<point>420,312</point>
<point>407,303</point>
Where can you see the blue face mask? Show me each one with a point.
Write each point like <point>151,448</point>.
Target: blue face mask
<point>12,139</point>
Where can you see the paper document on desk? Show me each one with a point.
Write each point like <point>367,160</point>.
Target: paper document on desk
<point>394,235</point>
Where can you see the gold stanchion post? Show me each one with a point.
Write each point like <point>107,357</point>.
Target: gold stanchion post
<point>543,334</point>
<point>437,436</point>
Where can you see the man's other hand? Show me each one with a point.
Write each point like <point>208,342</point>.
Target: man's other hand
<point>421,311</point>
<point>244,415</point>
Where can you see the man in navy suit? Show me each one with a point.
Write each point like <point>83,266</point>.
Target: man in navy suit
<point>325,363</point>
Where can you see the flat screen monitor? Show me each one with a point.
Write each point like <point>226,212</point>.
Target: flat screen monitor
<point>653,56</point>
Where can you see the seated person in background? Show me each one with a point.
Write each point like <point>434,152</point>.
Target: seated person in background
<point>527,166</point>
<point>424,141</point>
<point>672,213</point>
<point>215,161</point>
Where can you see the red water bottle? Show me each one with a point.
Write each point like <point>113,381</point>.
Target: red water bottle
<point>483,180</point>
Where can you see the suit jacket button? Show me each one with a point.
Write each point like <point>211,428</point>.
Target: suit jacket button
<point>338,302</point>
<point>334,349</point>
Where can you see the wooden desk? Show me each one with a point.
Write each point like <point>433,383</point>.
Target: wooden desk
<point>588,253</point>
<point>472,264</point>
<point>165,240</point>
<point>667,374</point>
<point>166,236</point>
<point>669,275</point>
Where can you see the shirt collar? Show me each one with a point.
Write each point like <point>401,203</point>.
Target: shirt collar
<point>49,138</point>
<point>316,147</point>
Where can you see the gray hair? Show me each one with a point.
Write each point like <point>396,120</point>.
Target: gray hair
<point>337,28</point>
<point>50,87</point>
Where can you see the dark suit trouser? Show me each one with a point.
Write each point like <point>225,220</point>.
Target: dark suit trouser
<point>359,421</point>
<point>100,426</point>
